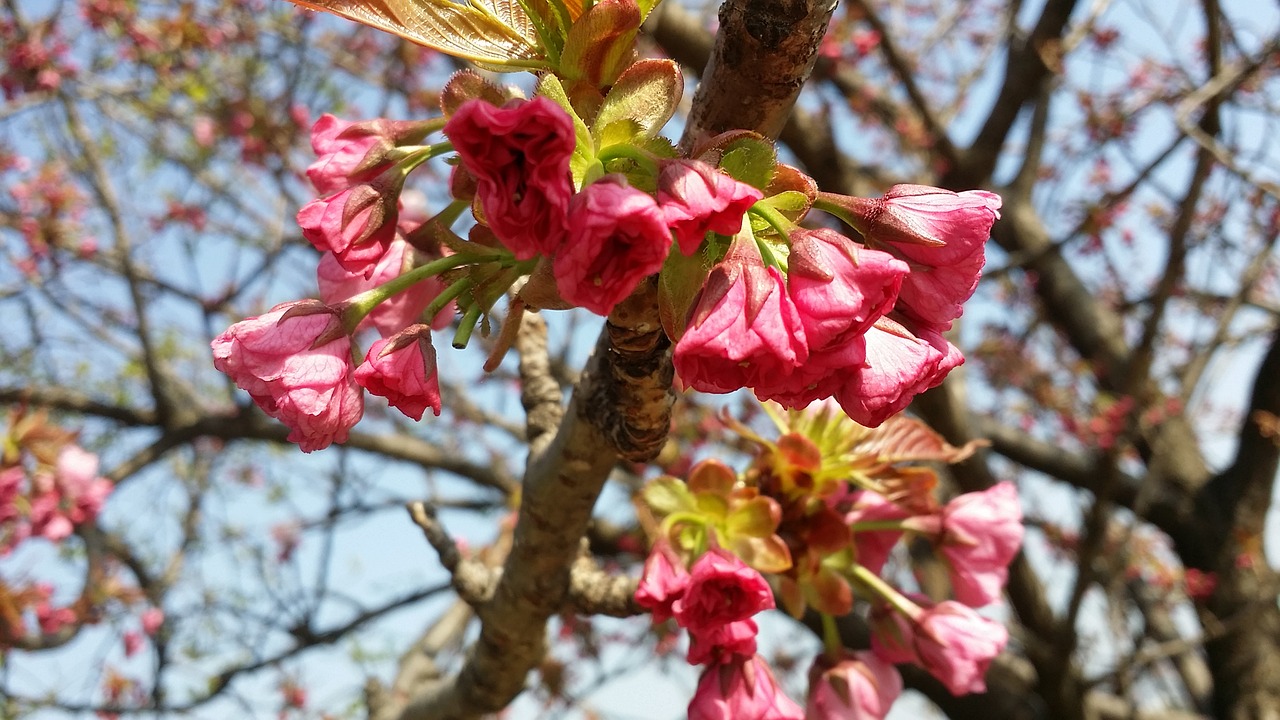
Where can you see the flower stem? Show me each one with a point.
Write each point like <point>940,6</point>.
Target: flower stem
<point>467,326</point>
<point>364,303</point>
<point>833,646</point>
<point>628,151</point>
<point>877,585</point>
<point>771,215</point>
<point>457,288</point>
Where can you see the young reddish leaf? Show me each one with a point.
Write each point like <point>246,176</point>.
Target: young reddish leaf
<point>495,35</point>
<point>712,477</point>
<point>466,85</point>
<point>600,43</point>
<point>768,555</point>
<point>901,439</point>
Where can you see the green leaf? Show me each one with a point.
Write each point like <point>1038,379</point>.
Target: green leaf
<point>757,517</point>
<point>750,160</point>
<point>789,201</point>
<point>679,283</point>
<point>584,154</point>
<point>768,555</point>
<point>646,94</point>
<point>666,495</point>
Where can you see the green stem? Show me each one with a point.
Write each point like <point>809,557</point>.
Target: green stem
<point>453,291</point>
<point>873,525</point>
<point>364,303</point>
<point>890,594</point>
<point>831,643</point>
<point>627,151</point>
<point>451,212</point>
<point>467,326</point>
<point>771,215</point>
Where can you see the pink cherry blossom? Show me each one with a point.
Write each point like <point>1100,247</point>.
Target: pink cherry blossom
<point>744,330</point>
<point>981,532</point>
<point>309,387</point>
<point>697,199</point>
<point>741,689</point>
<point>663,581</point>
<point>356,224</point>
<point>519,154</point>
<point>720,643</point>
<point>899,365</point>
<point>860,686</point>
<point>340,154</point>
<point>942,234</point>
<point>722,589</point>
<point>349,153</point>
<point>397,312</point>
<point>956,645</point>
<point>839,287</point>
<point>617,237</point>
<point>951,641</point>
<point>403,370</point>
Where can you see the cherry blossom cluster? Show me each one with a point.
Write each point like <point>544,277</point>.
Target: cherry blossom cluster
<point>575,209</point>
<point>49,486</point>
<point>819,512</point>
<point>51,501</point>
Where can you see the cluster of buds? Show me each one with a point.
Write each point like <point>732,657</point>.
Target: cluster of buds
<point>579,201</point>
<point>819,511</point>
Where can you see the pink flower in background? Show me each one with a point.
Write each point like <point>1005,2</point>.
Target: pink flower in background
<point>697,199</point>
<point>72,496</point>
<point>617,237</point>
<point>744,330</point>
<point>951,641</point>
<point>741,689</point>
<point>132,643</point>
<point>663,582</point>
<point>899,365</point>
<point>519,154</point>
<point>152,619</point>
<point>956,645</point>
<point>943,235</point>
<point>839,287</point>
<point>403,370</point>
<point>722,589</point>
<point>309,387</point>
<point>51,619</point>
<point>356,224</point>
<point>860,686</point>
<point>396,313</point>
<point>981,533</point>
